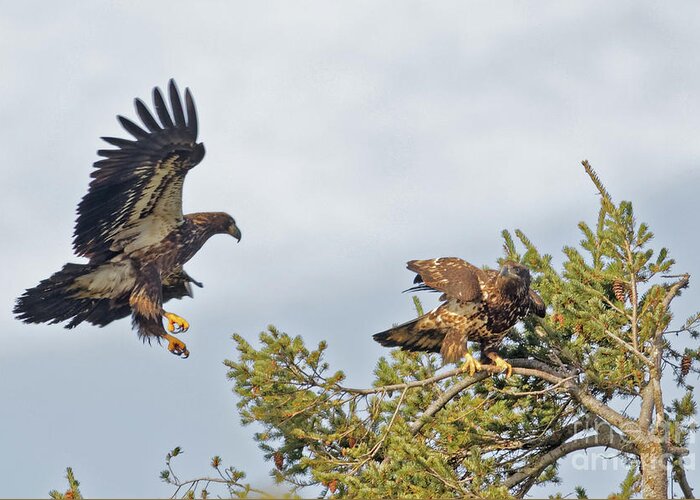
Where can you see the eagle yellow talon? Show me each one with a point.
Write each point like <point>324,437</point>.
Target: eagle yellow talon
<point>471,364</point>
<point>176,346</point>
<point>503,365</point>
<point>176,324</point>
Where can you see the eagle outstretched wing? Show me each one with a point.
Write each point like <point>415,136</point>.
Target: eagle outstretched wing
<point>135,197</point>
<point>451,275</point>
<point>537,305</point>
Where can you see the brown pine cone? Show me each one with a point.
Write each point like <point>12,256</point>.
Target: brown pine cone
<point>685,365</point>
<point>279,460</point>
<point>620,290</point>
<point>333,485</point>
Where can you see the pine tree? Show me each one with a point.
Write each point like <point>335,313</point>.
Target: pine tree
<point>428,431</point>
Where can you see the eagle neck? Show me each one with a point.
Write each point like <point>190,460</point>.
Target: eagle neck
<point>512,287</point>
<point>194,233</point>
<point>199,231</point>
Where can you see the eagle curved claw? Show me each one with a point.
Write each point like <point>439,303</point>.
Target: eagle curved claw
<point>176,324</point>
<point>176,346</point>
<point>502,364</point>
<point>471,364</point>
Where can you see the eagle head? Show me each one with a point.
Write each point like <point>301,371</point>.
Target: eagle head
<point>211,223</point>
<point>513,270</point>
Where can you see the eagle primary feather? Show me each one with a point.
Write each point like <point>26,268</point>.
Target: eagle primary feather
<point>131,226</point>
<point>135,197</point>
<point>477,306</point>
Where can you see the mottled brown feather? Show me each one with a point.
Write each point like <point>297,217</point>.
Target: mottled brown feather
<point>451,275</point>
<point>537,305</point>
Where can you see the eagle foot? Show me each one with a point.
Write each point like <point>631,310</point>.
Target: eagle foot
<point>471,364</point>
<point>176,346</point>
<point>503,365</point>
<point>176,324</point>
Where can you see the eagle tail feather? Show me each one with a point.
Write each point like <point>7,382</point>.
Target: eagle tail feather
<point>412,336</point>
<point>54,300</point>
<point>422,287</point>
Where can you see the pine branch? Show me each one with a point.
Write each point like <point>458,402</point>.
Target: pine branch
<point>536,393</point>
<point>554,440</point>
<point>598,184</point>
<point>630,427</point>
<point>73,492</point>
<point>680,477</point>
<point>398,387</point>
<point>634,299</point>
<point>191,484</point>
<point>520,366</point>
<point>612,441</point>
<point>672,293</point>
<point>377,446</point>
<point>229,477</point>
<point>445,398</point>
<point>557,438</point>
<point>629,348</point>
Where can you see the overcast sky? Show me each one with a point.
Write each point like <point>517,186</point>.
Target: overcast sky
<point>345,138</point>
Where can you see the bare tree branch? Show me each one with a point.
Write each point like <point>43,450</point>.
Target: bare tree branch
<point>407,385</point>
<point>377,446</point>
<point>611,440</point>
<point>535,393</point>
<point>520,366</point>
<point>680,477</point>
<point>439,403</point>
<point>192,484</point>
<point>626,425</point>
<point>629,348</point>
<point>557,438</point>
<point>673,290</point>
<point>532,367</point>
<point>554,440</point>
<point>647,408</point>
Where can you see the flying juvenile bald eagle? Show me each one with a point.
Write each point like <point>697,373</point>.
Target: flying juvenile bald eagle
<point>478,306</point>
<point>131,227</point>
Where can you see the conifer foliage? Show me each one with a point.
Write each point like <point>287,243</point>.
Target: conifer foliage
<point>73,491</point>
<point>424,430</point>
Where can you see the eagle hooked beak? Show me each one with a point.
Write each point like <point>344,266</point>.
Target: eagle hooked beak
<point>506,271</point>
<point>235,232</point>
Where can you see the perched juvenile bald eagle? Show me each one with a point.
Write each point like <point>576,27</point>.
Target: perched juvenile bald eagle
<point>131,227</point>
<point>478,306</point>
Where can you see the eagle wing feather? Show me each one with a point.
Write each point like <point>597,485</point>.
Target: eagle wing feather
<point>451,275</point>
<point>135,197</point>
<point>537,305</point>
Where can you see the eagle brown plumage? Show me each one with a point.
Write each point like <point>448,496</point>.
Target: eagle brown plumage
<point>477,306</point>
<point>131,228</point>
